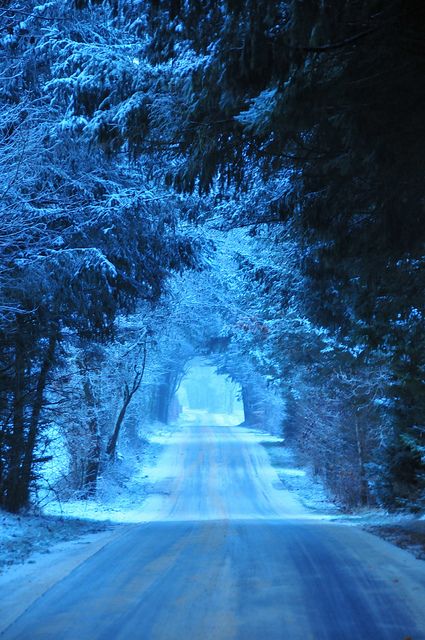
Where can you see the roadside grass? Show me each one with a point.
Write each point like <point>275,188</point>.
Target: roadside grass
<point>299,480</point>
<point>402,529</point>
<point>23,535</point>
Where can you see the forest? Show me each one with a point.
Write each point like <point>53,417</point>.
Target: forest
<point>236,179</point>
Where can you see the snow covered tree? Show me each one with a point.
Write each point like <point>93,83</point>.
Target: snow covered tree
<point>330,97</point>
<point>95,239</point>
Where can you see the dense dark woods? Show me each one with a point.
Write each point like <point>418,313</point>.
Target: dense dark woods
<point>239,179</point>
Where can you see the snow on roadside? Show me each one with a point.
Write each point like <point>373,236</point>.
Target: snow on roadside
<point>122,492</point>
<point>23,535</point>
<point>405,530</point>
<point>123,489</point>
<point>295,479</point>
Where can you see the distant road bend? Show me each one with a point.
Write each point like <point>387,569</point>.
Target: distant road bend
<point>228,556</point>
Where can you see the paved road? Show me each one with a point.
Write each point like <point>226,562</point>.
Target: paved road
<point>230,556</point>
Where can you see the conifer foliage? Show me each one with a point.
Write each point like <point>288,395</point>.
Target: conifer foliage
<point>83,236</point>
<point>326,98</point>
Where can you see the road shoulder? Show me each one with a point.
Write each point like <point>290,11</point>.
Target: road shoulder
<point>22,584</point>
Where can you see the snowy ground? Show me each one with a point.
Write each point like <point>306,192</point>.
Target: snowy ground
<point>123,490</point>
<point>402,529</point>
<point>309,490</point>
<point>23,536</point>
<point>133,491</point>
<point>120,500</point>
<point>221,536</point>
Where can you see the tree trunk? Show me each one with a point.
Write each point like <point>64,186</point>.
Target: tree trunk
<point>112,444</point>
<point>27,466</point>
<point>163,399</point>
<point>363,486</point>
<point>128,395</point>
<point>93,453</point>
<point>248,406</point>
<point>91,472</point>
<point>12,497</point>
<point>166,390</point>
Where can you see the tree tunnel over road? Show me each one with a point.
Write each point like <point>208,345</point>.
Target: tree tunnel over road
<point>204,392</point>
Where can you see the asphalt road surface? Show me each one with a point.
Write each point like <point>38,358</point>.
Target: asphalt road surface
<point>230,555</point>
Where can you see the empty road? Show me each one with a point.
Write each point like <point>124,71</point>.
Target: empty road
<point>227,555</point>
